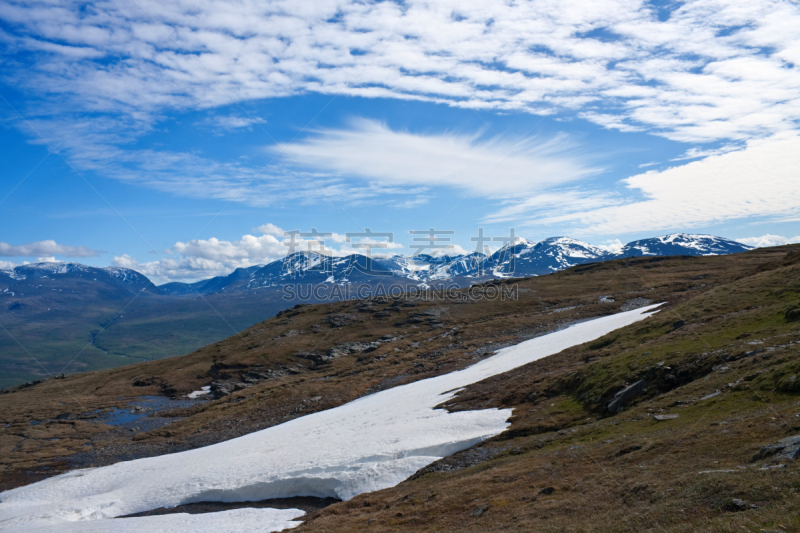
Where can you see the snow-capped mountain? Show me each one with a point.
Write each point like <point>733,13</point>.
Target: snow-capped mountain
<point>521,259</point>
<point>683,244</point>
<point>37,275</point>
<point>527,258</point>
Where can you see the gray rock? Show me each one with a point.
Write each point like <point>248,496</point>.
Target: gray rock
<point>341,320</point>
<point>350,348</point>
<point>479,510</point>
<point>315,357</point>
<point>625,395</point>
<point>785,449</point>
<point>790,453</point>
<point>635,303</point>
<point>665,417</point>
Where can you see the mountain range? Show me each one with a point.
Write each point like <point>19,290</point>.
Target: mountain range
<point>523,258</point>
<point>68,317</point>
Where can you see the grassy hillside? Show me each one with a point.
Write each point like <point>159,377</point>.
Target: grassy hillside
<point>722,355</point>
<point>722,366</point>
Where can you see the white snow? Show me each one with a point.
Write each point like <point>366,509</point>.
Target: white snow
<point>123,274</point>
<point>369,444</point>
<point>233,521</point>
<point>202,392</point>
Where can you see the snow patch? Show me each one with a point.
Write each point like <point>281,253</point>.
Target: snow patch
<point>233,521</point>
<point>202,392</point>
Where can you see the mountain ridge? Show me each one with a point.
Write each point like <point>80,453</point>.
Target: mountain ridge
<point>522,258</point>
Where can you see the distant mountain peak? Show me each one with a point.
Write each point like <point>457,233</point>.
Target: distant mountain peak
<point>683,244</point>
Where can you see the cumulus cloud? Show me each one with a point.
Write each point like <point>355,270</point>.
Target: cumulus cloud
<point>47,248</point>
<point>768,240</point>
<point>759,180</point>
<point>271,229</point>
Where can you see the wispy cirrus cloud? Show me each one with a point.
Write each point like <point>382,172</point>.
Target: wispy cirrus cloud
<point>228,123</point>
<point>490,167</point>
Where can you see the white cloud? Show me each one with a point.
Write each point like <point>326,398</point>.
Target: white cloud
<point>232,122</point>
<point>613,246</point>
<point>717,69</point>
<point>757,181</point>
<point>697,153</point>
<point>45,248</point>
<point>768,240</point>
<point>494,167</point>
<point>7,265</point>
<point>271,229</point>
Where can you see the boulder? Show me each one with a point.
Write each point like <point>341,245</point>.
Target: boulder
<point>664,417</point>
<point>479,510</point>
<point>622,397</point>
<point>787,449</point>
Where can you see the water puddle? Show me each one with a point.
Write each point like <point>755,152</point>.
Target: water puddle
<point>143,414</point>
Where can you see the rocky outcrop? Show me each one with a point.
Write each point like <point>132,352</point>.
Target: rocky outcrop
<point>342,320</point>
<point>625,395</point>
<point>787,449</point>
<point>351,348</point>
<point>429,317</point>
<point>227,380</point>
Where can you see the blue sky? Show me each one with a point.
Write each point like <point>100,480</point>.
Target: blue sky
<point>182,139</point>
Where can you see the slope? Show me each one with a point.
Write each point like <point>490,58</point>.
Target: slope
<point>710,383</point>
<point>316,357</point>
